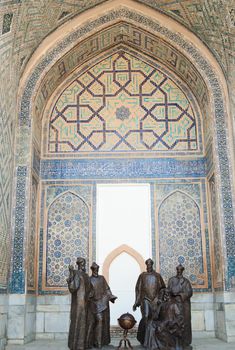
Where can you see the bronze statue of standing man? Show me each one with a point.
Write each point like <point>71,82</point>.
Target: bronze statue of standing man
<point>98,328</point>
<point>181,290</point>
<point>80,287</point>
<point>147,291</point>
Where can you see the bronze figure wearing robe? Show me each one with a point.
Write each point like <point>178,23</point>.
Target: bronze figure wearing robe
<point>164,330</point>
<point>181,289</point>
<point>98,333</point>
<point>80,288</point>
<point>147,291</point>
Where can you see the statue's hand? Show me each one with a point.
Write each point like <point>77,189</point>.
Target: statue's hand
<point>134,307</point>
<point>71,268</point>
<point>113,300</point>
<point>157,301</point>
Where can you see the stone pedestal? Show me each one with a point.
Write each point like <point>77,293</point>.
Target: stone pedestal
<point>3,320</point>
<point>24,318</point>
<point>21,327</point>
<point>224,306</point>
<point>202,309</point>
<point>53,313</point>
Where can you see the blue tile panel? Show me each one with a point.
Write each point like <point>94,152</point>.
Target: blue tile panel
<point>67,236</point>
<point>121,168</point>
<point>66,209</point>
<point>180,237</point>
<point>32,237</point>
<point>194,252</point>
<point>17,283</point>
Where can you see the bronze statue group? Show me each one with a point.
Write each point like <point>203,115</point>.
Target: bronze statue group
<point>166,312</point>
<point>89,315</point>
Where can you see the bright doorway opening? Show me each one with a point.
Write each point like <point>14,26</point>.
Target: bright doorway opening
<point>123,218</point>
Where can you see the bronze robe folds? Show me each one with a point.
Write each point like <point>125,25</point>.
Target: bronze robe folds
<point>165,331</point>
<point>80,287</point>
<point>99,314</point>
<point>181,289</point>
<point>147,291</point>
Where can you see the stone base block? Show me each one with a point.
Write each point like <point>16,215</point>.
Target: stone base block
<point>45,336</point>
<point>203,335</point>
<point>3,342</point>
<point>16,341</point>
<point>61,336</point>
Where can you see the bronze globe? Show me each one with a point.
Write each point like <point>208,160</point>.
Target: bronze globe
<point>126,321</point>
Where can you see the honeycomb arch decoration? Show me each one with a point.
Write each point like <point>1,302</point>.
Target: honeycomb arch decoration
<point>67,237</point>
<point>180,239</point>
<point>122,104</point>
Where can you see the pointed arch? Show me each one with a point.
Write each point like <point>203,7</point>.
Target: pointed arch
<point>68,192</point>
<point>124,248</point>
<point>183,193</point>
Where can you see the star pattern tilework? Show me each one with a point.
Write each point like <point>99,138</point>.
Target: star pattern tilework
<point>122,104</point>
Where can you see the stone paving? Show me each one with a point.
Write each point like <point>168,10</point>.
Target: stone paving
<point>198,344</point>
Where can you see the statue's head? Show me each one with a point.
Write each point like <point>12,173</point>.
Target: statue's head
<point>95,269</point>
<point>179,270</point>
<point>149,265</point>
<point>81,262</point>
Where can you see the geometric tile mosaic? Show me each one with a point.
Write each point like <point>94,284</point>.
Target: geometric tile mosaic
<point>181,213</point>
<point>7,19</point>
<point>32,238</point>
<point>64,232</point>
<point>217,261</point>
<point>122,104</point>
<point>67,237</point>
<point>5,194</point>
<point>107,39</point>
<point>17,283</point>
<point>211,21</point>
<point>36,161</point>
<point>4,249</point>
<point>180,234</point>
<point>7,98</point>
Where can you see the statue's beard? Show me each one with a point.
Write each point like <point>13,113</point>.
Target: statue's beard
<point>150,269</point>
